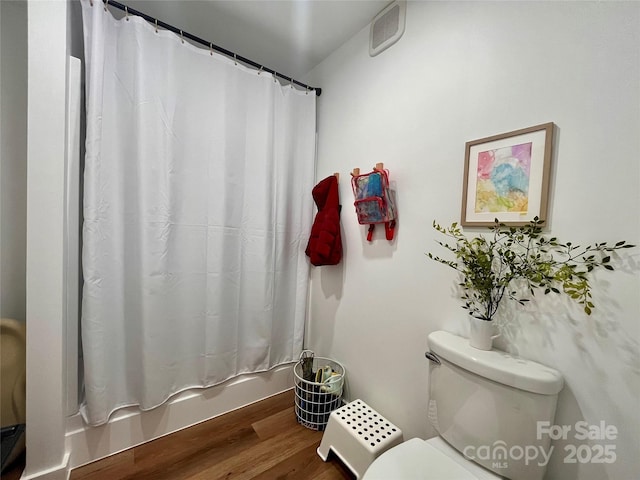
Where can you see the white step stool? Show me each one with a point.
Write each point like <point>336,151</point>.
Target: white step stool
<point>358,434</point>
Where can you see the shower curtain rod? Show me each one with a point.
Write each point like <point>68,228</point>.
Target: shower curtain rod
<point>228,53</point>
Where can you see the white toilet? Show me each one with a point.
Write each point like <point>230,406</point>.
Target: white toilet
<point>485,406</point>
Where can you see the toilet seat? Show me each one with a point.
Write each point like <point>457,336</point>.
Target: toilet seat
<point>418,459</point>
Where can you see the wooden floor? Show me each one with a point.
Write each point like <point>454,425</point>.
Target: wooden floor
<point>261,441</point>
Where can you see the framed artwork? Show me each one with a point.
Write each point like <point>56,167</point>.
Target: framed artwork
<point>506,177</point>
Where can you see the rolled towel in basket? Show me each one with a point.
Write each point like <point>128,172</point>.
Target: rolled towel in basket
<point>333,384</point>
<point>323,374</point>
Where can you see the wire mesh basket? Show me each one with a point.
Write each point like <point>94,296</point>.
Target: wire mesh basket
<point>315,400</point>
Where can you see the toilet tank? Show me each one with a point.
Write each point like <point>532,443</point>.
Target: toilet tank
<point>487,405</point>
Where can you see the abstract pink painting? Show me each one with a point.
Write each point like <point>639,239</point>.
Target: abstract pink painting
<point>503,177</point>
<point>506,177</point>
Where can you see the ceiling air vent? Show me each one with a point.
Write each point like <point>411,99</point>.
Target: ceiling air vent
<point>387,27</point>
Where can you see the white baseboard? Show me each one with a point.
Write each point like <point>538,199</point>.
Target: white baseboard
<point>130,427</point>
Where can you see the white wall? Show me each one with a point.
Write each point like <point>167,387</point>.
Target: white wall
<point>464,71</point>
<point>13,153</point>
<point>46,150</point>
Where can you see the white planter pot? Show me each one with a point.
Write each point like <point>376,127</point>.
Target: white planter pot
<point>481,334</point>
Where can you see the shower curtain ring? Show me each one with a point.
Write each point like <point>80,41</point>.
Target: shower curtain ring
<point>156,25</point>
<point>211,49</point>
<point>235,59</point>
<point>260,71</point>
<point>181,37</point>
<point>275,77</point>
<point>91,2</point>
<point>106,4</point>
<point>126,11</point>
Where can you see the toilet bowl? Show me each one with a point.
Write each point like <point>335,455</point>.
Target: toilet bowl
<point>477,398</point>
<point>418,459</point>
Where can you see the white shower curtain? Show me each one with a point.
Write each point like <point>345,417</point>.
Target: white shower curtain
<point>197,209</point>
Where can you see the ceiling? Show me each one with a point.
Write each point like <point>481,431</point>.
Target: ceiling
<point>289,36</point>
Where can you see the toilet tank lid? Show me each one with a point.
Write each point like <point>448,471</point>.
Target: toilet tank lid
<point>496,365</point>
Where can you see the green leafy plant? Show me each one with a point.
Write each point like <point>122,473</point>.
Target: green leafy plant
<point>492,265</point>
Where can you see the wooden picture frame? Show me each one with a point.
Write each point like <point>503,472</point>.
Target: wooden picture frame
<point>506,177</point>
